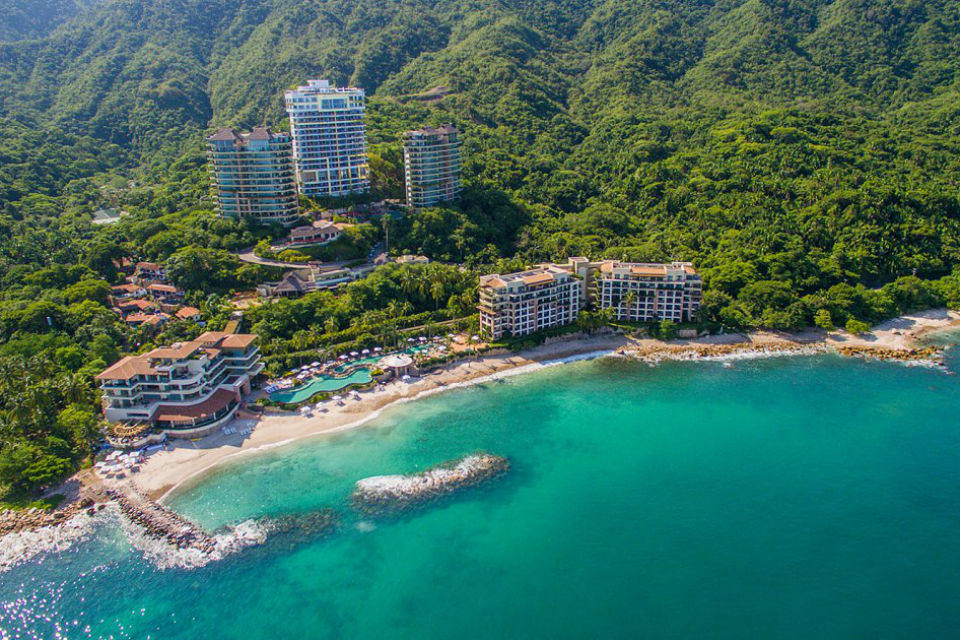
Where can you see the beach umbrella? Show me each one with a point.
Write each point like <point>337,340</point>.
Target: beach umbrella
<point>354,354</point>
<point>451,336</point>
<point>377,349</point>
<point>409,339</point>
<point>474,338</point>
<point>315,364</point>
<point>441,348</point>
<point>343,357</point>
<point>405,377</point>
<point>422,339</point>
<point>304,367</point>
<point>365,351</point>
<point>304,410</point>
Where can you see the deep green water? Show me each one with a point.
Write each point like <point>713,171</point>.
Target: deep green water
<point>801,497</point>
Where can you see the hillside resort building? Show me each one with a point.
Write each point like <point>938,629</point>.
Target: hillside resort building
<point>431,162</point>
<point>329,139</point>
<point>252,175</point>
<point>185,390</point>
<point>551,295</point>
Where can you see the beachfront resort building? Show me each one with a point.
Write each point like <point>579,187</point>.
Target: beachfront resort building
<point>551,295</point>
<point>519,304</point>
<point>640,292</point>
<point>186,389</point>
<point>431,162</point>
<point>329,139</point>
<point>252,175</point>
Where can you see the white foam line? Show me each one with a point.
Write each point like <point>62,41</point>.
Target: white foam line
<point>749,353</point>
<point>165,555</point>
<point>373,415</point>
<point>21,546</point>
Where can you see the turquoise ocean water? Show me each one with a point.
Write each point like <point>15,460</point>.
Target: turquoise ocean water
<point>795,497</point>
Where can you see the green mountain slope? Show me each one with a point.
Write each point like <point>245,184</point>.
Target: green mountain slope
<point>721,131</point>
<point>27,19</point>
<point>805,154</point>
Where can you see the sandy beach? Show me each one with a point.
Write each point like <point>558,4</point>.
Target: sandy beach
<point>186,461</point>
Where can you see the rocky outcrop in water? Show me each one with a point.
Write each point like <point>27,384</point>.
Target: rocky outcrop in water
<point>17,520</point>
<point>655,354</point>
<point>388,494</point>
<point>932,355</point>
<point>165,538</point>
<point>161,523</point>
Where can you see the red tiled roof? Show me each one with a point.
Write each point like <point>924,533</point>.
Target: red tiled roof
<point>538,278</point>
<point>164,288</point>
<point>143,305</point>
<point>648,271</point>
<point>188,312</point>
<point>146,318</point>
<point>211,342</point>
<point>178,413</point>
<point>126,368</point>
<point>227,340</point>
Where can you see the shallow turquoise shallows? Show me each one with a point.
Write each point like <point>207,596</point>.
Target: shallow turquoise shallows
<point>788,498</point>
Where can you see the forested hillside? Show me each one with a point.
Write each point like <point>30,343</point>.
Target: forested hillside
<point>26,19</point>
<point>805,154</point>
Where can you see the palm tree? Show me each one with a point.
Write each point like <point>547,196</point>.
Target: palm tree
<point>629,301</point>
<point>437,290</point>
<point>331,325</point>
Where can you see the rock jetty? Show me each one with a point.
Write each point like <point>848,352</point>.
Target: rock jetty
<point>304,526</point>
<point>161,523</point>
<point>388,494</point>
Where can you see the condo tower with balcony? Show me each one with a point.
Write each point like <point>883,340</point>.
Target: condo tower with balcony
<point>431,162</point>
<point>329,139</point>
<point>252,175</point>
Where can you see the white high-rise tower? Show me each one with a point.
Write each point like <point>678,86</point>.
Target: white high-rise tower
<point>329,139</point>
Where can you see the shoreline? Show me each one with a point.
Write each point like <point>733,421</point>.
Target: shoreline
<point>167,472</point>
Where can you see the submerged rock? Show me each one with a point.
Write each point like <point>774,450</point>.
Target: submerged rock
<point>386,494</point>
<point>303,526</point>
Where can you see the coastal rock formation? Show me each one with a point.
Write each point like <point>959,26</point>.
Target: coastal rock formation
<point>387,494</point>
<point>17,520</point>
<point>664,351</point>
<point>303,526</point>
<point>165,537</point>
<point>931,355</point>
<point>683,352</point>
<point>161,523</point>
<point>14,521</point>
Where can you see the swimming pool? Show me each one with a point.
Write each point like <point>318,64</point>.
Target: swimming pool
<point>330,384</point>
<point>322,383</point>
